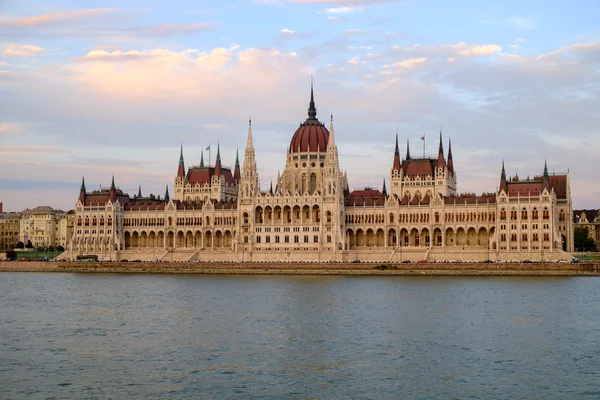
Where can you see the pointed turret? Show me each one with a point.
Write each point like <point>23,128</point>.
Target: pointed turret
<point>397,161</point>
<point>202,159</point>
<point>407,150</point>
<point>546,177</point>
<point>384,191</point>
<point>331,141</point>
<point>312,110</point>
<point>218,161</point>
<point>82,192</point>
<point>441,163</point>
<point>112,193</point>
<point>167,193</point>
<point>181,168</point>
<point>139,191</point>
<point>503,185</point>
<point>236,171</point>
<point>450,162</point>
<point>250,173</point>
<point>271,188</point>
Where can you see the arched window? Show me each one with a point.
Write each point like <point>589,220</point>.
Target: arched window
<point>391,218</point>
<point>524,213</point>
<point>534,213</point>
<point>503,214</point>
<point>546,213</point>
<point>245,218</point>
<point>437,218</point>
<point>561,216</point>
<point>328,216</point>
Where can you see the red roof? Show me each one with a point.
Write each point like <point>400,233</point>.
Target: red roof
<point>525,188</point>
<point>559,184</point>
<point>365,193</point>
<point>203,175</point>
<point>311,136</point>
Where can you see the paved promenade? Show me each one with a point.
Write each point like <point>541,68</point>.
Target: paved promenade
<point>438,269</point>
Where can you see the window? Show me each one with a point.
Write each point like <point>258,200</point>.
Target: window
<point>258,239</point>
<point>305,238</point>
<point>245,239</point>
<point>296,239</point>
<point>276,238</point>
<point>328,238</point>
<point>287,239</point>
<point>316,239</point>
<point>268,239</point>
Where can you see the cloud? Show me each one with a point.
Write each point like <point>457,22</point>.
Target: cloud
<point>342,10</point>
<point>409,63</point>
<point>53,18</point>
<point>525,23</point>
<point>7,129</point>
<point>286,31</point>
<point>31,149</point>
<point>347,2</point>
<point>21,50</point>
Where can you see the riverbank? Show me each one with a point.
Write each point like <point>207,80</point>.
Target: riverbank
<point>437,269</point>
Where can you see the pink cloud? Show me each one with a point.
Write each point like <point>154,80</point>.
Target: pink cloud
<point>21,50</point>
<point>52,18</point>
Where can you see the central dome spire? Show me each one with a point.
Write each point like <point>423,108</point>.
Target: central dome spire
<point>312,110</point>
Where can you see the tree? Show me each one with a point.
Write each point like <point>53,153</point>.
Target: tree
<point>29,245</point>
<point>20,245</point>
<point>60,248</point>
<point>583,242</point>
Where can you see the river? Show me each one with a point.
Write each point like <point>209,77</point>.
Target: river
<point>126,336</point>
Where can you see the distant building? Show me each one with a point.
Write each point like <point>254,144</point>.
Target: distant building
<point>591,220</point>
<point>311,215</point>
<point>9,230</point>
<point>45,226</point>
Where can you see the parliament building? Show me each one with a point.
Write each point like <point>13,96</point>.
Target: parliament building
<point>310,215</point>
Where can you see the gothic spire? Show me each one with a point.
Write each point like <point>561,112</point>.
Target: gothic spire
<point>407,150</point>
<point>503,174</point>
<point>236,171</point>
<point>450,162</point>
<point>271,188</point>
<point>441,162</point>
<point>312,111</point>
<point>546,176</point>
<point>396,165</point>
<point>181,167</point>
<point>139,191</point>
<point>167,193</point>
<point>384,191</point>
<point>218,161</point>
<point>82,192</point>
<point>112,183</point>
<point>202,158</point>
<point>503,185</point>
<point>82,188</point>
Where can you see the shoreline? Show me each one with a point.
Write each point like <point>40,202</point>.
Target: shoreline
<point>364,269</point>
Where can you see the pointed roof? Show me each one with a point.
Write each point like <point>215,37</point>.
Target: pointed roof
<point>82,188</point>
<point>407,150</point>
<point>218,160</point>
<point>249,141</point>
<point>441,162</point>
<point>181,167</point>
<point>384,191</point>
<point>271,188</point>
<point>450,162</point>
<point>140,191</point>
<point>112,183</point>
<point>236,171</point>
<point>167,193</point>
<point>503,185</point>
<point>396,165</point>
<point>546,170</point>
<point>202,158</point>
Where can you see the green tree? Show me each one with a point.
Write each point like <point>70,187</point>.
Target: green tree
<point>583,242</point>
<point>20,245</point>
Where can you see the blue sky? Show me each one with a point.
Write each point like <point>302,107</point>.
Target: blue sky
<point>97,88</point>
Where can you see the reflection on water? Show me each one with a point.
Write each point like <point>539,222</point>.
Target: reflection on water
<point>223,337</point>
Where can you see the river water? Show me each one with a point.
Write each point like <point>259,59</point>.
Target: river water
<point>279,337</point>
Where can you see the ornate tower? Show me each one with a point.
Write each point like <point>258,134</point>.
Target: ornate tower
<point>250,185</point>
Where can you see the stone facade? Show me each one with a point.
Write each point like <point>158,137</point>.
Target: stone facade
<point>9,230</point>
<point>310,214</point>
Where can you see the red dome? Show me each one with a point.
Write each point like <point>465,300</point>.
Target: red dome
<point>311,136</point>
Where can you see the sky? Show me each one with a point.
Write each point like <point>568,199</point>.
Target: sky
<point>102,88</point>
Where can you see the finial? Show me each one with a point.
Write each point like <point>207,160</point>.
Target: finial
<point>112,184</point>
<point>545,169</point>
<point>249,121</point>
<point>82,184</point>
<point>312,111</point>
<point>166,192</point>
